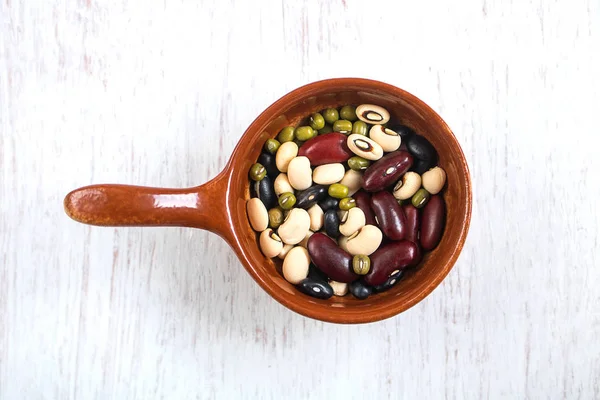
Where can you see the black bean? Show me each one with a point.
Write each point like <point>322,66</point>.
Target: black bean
<point>389,283</point>
<point>307,198</point>
<point>331,222</point>
<point>316,274</point>
<point>263,189</point>
<point>360,290</point>
<point>420,148</point>
<point>329,203</point>
<point>268,161</point>
<point>404,131</point>
<point>422,166</point>
<point>318,289</point>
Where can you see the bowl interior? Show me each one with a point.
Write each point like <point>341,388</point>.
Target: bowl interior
<point>404,108</point>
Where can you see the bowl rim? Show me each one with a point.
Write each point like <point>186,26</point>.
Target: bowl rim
<point>342,315</point>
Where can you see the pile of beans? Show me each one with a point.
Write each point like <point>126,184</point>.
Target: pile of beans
<point>348,201</point>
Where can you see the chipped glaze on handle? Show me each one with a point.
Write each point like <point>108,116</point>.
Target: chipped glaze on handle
<point>202,206</point>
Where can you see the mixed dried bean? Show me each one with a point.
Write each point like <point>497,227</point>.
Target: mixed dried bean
<point>348,200</point>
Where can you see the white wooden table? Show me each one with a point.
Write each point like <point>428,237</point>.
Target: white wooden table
<point>158,93</point>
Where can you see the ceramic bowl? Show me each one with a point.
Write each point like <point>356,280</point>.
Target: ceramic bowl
<point>220,204</point>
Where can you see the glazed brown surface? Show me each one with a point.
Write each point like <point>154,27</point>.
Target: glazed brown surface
<point>220,205</point>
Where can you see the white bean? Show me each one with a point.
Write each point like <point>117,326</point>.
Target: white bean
<point>257,214</point>
<point>295,265</point>
<point>304,242</point>
<point>317,217</point>
<point>434,180</point>
<point>270,244</point>
<point>353,220</point>
<point>339,288</point>
<point>295,226</point>
<point>300,173</point>
<point>352,180</point>
<point>328,173</point>
<point>282,185</point>
<point>365,241</point>
<point>287,151</point>
<point>286,249</point>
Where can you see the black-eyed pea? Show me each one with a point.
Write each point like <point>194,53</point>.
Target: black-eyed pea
<point>365,241</point>
<point>339,288</point>
<point>385,137</point>
<point>295,226</point>
<point>300,173</point>
<point>434,180</point>
<point>295,265</point>
<point>286,153</point>
<point>270,243</point>
<point>364,147</point>
<point>407,186</point>
<point>327,174</point>
<point>372,114</point>
<point>352,180</point>
<point>282,185</point>
<point>316,215</point>
<point>257,214</point>
<point>352,220</point>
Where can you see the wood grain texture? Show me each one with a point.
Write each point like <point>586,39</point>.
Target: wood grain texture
<point>158,92</point>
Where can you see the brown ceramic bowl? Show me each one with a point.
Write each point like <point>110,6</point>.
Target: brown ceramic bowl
<point>220,204</point>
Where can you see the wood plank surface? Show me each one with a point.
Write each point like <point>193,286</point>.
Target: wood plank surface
<point>158,92</point>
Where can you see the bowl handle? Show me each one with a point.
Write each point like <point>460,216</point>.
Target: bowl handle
<point>202,206</point>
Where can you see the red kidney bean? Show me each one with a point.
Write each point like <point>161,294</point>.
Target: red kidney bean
<point>363,201</point>
<point>412,222</point>
<point>389,258</point>
<point>386,171</point>
<point>330,258</point>
<point>390,216</point>
<point>432,222</point>
<point>326,149</point>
